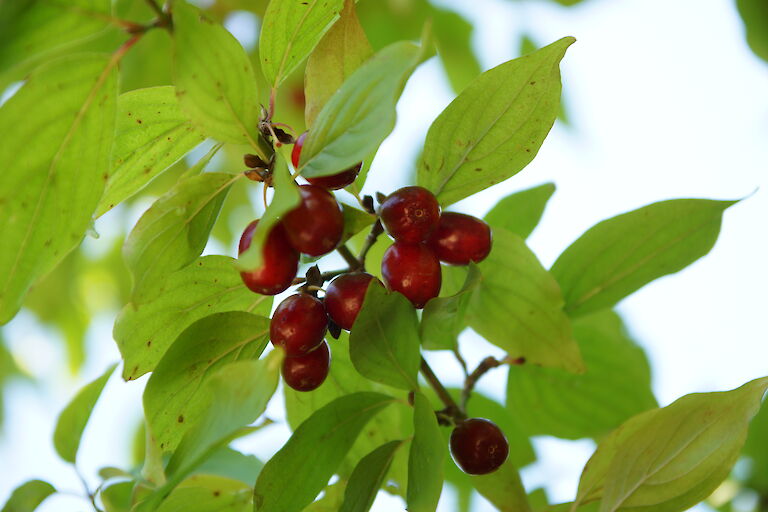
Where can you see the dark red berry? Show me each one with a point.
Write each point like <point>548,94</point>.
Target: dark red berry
<point>296,152</point>
<point>280,263</point>
<point>298,324</point>
<point>410,214</point>
<point>316,225</point>
<point>307,372</point>
<point>333,182</point>
<point>344,297</point>
<point>478,446</point>
<point>459,239</point>
<point>413,270</point>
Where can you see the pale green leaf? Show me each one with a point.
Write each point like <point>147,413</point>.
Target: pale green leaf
<point>453,37</point>
<point>57,137</point>
<point>503,488</point>
<point>620,255</point>
<point>117,497</point>
<point>75,416</point>
<point>231,463</point>
<point>144,332</point>
<point>443,318</point>
<point>355,221</point>
<point>520,212</point>
<point>151,135</point>
<point>207,493</point>
<point>28,496</point>
<point>495,127</point>
<point>367,478</point>
<point>425,461</point>
<point>756,449</point>
<point>332,498</point>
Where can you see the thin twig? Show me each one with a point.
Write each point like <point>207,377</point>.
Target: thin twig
<point>452,409</point>
<point>353,262</point>
<point>370,240</point>
<point>461,361</point>
<point>91,496</point>
<point>485,365</point>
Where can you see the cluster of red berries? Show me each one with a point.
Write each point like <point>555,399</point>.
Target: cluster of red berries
<point>423,239</point>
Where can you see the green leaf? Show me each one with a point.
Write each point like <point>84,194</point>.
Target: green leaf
<point>425,461</point>
<point>144,331</point>
<point>286,198</point>
<point>453,37</point>
<point>616,386</point>
<point>756,448</point>
<point>57,136</point>
<point>333,496</point>
<point>368,477</point>
<point>214,79</point>
<point>493,129</point>
<point>620,255</point>
<point>174,230</point>
<point>290,31</point>
<point>117,497</point>
<point>340,52</point>
<point>175,398</point>
<point>313,453</point>
<point>503,488</point>
<point>521,212</point>
<point>151,135</point>
<point>361,114</point>
<point>754,13</point>
<point>443,318</point>
<point>384,345</point>
<point>355,221</point>
<point>231,463</point>
<point>74,417</point>
<point>28,496</point>
<point>702,435</point>
<point>518,307</point>
<point>207,493</point>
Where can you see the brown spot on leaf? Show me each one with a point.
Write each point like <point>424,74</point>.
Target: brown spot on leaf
<point>181,419</point>
<point>138,121</point>
<point>217,493</point>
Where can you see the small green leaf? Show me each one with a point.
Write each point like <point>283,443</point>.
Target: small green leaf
<point>616,386</point>
<point>493,129</point>
<point>331,501</point>
<point>208,493</point>
<point>444,317</point>
<point>74,417</point>
<point>174,230</point>
<point>28,496</point>
<point>425,461</point>
<point>286,198</point>
<point>453,37</point>
<point>521,212</point>
<point>754,13</point>
<point>152,134</point>
<point>384,345</point>
<point>57,136</point>
<point>117,497</point>
<point>214,79</point>
<point>702,436</point>
<point>503,488</point>
<point>756,448</point>
<point>231,463</point>
<point>620,255</point>
<point>367,478</point>
<point>291,30</point>
<point>175,399</point>
<point>518,307</point>
<point>361,114</point>
<point>314,452</point>
<point>354,221</point>
<point>341,51</point>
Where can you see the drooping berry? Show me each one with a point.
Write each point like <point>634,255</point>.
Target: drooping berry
<point>280,263</point>
<point>410,214</point>
<point>344,297</point>
<point>459,239</point>
<point>307,372</point>
<point>316,225</point>
<point>413,270</point>
<point>333,182</point>
<point>298,324</point>
<point>478,446</point>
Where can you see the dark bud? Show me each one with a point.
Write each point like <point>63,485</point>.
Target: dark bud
<point>333,329</point>
<point>254,161</point>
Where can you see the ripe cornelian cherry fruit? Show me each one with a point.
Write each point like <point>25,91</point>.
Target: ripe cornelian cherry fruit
<point>333,182</point>
<point>413,270</point>
<point>280,263</point>
<point>459,239</point>
<point>410,214</point>
<point>344,297</point>
<point>478,446</point>
<point>316,225</point>
<point>298,324</point>
<point>307,372</point>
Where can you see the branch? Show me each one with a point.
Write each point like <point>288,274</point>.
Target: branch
<point>452,409</point>
<point>376,230</point>
<point>485,365</point>
<point>353,263</point>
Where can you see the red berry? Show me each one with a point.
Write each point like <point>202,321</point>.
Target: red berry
<point>333,182</point>
<point>280,263</point>
<point>307,372</point>
<point>298,324</point>
<point>460,239</point>
<point>478,446</point>
<point>413,270</point>
<point>344,297</point>
<point>316,225</point>
<point>296,152</point>
<point>410,214</point>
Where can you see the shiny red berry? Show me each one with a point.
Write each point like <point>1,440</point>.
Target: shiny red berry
<point>316,225</point>
<point>478,446</point>
<point>298,324</point>
<point>410,214</point>
<point>333,182</point>
<point>413,270</point>
<point>307,372</point>
<point>344,297</point>
<point>459,239</point>
<point>280,263</point>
